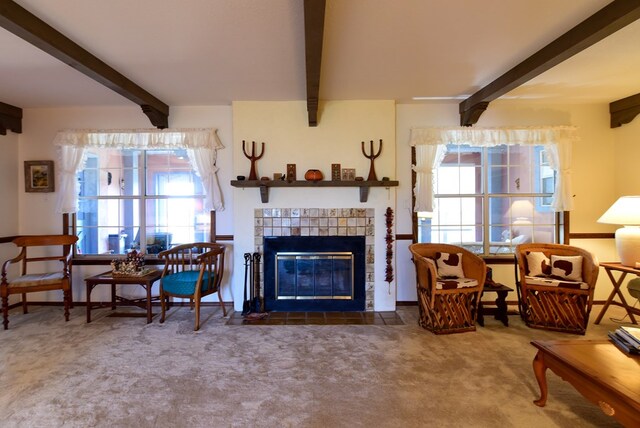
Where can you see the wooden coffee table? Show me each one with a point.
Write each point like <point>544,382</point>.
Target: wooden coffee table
<point>602,373</point>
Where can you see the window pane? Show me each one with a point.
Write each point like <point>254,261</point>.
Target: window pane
<point>460,171</point>
<point>520,155</point>
<point>515,220</point>
<point>169,173</point>
<point>99,219</point>
<point>181,218</point>
<point>497,156</point>
<point>455,221</point>
<point>498,179</point>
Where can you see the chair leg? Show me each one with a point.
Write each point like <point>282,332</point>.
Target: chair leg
<point>224,310</point>
<point>24,303</point>
<point>67,303</point>
<point>5,312</point>
<point>163,305</point>
<point>197,327</point>
<point>70,294</point>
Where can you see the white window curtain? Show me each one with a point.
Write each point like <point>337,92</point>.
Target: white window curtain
<point>201,144</point>
<point>430,145</point>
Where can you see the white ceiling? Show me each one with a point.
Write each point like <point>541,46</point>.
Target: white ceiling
<point>212,52</point>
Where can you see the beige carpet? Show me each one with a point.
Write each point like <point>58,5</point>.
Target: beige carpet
<point>121,372</point>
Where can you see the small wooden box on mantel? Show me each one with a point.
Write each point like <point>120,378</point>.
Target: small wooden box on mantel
<point>335,172</point>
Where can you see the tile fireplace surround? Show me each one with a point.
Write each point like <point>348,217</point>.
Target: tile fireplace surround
<point>320,222</point>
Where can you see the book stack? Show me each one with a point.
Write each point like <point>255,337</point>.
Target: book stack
<point>626,338</point>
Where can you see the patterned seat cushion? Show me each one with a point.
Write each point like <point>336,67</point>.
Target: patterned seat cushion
<point>556,282</point>
<point>36,279</point>
<point>453,283</point>
<point>184,283</point>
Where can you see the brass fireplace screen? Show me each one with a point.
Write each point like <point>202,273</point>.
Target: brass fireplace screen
<point>314,275</point>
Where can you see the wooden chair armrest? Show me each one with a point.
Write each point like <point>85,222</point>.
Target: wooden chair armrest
<point>474,267</point>
<point>426,271</point>
<point>9,262</point>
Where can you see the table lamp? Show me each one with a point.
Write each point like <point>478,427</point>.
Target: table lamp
<point>626,211</point>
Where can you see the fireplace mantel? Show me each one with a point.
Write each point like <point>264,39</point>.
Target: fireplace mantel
<point>264,185</point>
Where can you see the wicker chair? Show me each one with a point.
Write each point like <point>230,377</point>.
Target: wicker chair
<point>192,271</point>
<point>444,309</point>
<point>552,303</point>
<point>56,276</point>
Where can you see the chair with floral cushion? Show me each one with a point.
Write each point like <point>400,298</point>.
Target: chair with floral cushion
<point>192,271</point>
<point>450,280</point>
<point>556,285</point>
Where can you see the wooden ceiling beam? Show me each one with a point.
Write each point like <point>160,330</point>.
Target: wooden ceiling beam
<point>24,24</point>
<point>313,36</point>
<point>606,21</point>
<point>624,110</point>
<point>10,118</point>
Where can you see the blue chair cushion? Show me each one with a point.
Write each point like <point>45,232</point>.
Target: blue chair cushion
<point>184,283</point>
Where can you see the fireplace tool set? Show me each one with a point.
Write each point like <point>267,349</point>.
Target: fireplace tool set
<point>253,307</point>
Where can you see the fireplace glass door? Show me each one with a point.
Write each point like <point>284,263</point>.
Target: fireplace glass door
<point>314,276</point>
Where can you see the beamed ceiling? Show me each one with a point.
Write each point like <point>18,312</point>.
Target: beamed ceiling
<point>159,54</point>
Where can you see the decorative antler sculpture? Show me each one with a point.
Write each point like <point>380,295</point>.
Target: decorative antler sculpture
<point>372,171</point>
<point>253,175</point>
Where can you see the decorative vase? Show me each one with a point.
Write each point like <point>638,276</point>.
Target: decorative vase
<point>313,175</point>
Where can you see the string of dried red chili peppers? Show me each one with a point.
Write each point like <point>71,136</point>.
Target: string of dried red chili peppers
<point>389,239</point>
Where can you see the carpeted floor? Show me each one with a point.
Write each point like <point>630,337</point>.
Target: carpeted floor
<point>121,372</point>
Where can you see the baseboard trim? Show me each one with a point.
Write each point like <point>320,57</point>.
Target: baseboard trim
<point>108,303</point>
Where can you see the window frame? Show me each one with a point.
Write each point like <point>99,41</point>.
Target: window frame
<point>70,221</point>
<point>562,222</point>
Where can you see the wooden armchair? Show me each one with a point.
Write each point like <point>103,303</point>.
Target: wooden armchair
<point>554,293</point>
<point>447,305</point>
<point>55,277</point>
<point>192,271</point>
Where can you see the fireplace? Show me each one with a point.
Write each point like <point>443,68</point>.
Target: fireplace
<point>314,273</point>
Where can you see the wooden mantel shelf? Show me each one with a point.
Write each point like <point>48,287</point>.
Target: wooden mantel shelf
<point>265,184</point>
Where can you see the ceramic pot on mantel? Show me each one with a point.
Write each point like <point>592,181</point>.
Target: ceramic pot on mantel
<point>313,175</point>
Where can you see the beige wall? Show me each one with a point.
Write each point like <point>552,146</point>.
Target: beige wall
<point>10,168</point>
<point>627,174</point>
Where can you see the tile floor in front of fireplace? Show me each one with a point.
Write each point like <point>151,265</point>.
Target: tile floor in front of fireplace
<point>319,318</point>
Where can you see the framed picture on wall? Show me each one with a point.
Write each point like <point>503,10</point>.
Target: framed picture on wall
<point>39,176</point>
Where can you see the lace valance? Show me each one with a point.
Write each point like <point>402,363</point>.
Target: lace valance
<point>430,146</point>
<point>140,138</point>
<point>201,145</point>
<point>489,137</point>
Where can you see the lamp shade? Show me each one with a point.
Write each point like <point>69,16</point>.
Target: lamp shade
<point>626,211</point>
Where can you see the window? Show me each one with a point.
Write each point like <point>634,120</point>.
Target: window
<point>489,199</point>
<point>148,200</point>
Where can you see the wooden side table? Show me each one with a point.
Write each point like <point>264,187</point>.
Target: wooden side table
<point>609,268</point>
<point>500,311</point>
<point>107,278</point>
